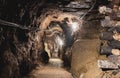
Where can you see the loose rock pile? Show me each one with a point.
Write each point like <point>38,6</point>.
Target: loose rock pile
<point>110,37</point>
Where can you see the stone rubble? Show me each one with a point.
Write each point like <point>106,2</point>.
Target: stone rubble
<point>110,34</point>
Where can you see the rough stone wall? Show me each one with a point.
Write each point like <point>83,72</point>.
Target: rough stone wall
<point>19,52</point>
<point>19,49</point>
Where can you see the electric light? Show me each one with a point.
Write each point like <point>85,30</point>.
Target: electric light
<point>60,41</point>
<point>75,26</point>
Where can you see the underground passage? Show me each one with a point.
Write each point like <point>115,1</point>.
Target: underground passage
<point>60,39</point>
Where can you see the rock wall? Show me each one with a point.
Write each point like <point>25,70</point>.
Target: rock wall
<point>19,49</point>
<point>19,52</point>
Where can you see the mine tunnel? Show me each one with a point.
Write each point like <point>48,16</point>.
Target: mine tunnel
<point>59,39</point>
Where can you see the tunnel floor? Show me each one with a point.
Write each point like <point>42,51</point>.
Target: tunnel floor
<point>53,69</point>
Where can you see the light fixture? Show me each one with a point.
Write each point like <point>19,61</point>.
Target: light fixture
<point>60,41</point>
<point>75,26</point>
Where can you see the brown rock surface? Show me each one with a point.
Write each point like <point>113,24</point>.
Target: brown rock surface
<point>84,59</point>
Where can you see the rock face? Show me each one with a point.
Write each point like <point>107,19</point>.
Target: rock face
<point>19,52</point>
<point>19,49</point>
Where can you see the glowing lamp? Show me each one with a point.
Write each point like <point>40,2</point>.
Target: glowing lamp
<point>75,26</point>
<point>60,41</point>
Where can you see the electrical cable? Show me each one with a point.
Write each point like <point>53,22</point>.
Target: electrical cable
<point>88,10</point>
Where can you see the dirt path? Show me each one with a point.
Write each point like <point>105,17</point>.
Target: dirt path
<point>50,71</point>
